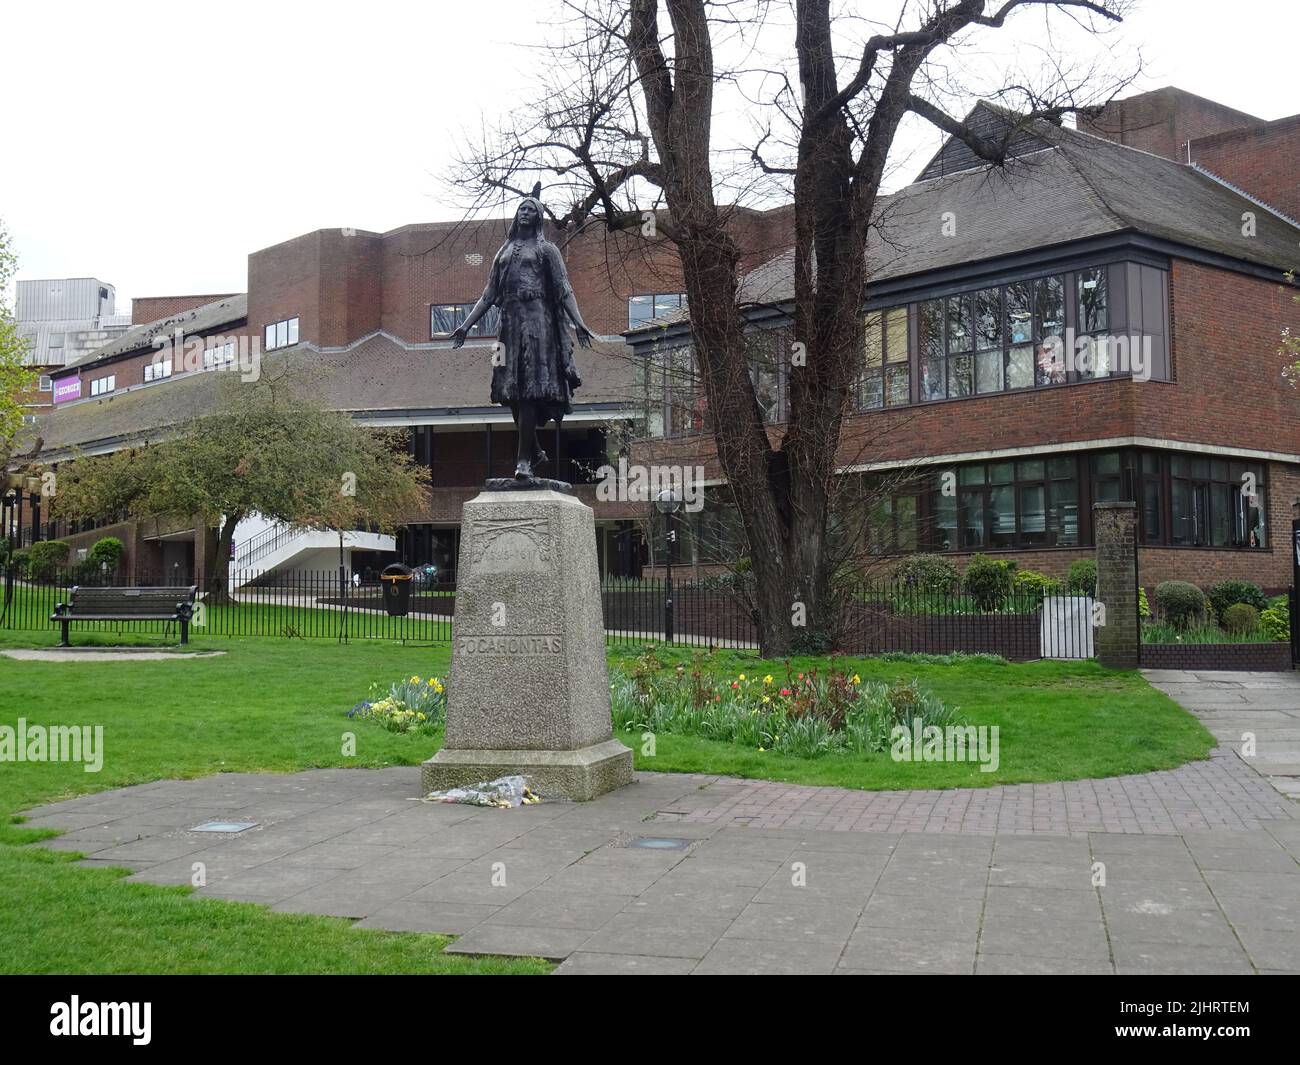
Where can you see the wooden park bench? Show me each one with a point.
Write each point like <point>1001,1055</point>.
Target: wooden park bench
<point>127,604</point>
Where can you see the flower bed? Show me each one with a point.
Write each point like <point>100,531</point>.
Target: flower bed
<point>411,705</point>
<point>804,713</point>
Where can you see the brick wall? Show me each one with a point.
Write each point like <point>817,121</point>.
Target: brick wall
<point>343,284</point>
<point>145,309</point>
<point>1163,121</point>
<point>1262,160</point>
<point>1268,657</point>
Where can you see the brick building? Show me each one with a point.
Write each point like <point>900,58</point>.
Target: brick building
<point>366,316</point>
<point>990,436</point>
<point>1105,235</point>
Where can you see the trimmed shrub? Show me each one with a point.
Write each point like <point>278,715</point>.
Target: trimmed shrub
<point>1240,618</point>
<point>1228,593</point>
<point>1082,577</point>
<point>1180,604</point>
<point>1031,581</point>
<point>108,551</point>
<point>927,573</point>
<point>1276,623</point>
<point>1144,607</point>
<point>988,582</point>
<point>45,558</point>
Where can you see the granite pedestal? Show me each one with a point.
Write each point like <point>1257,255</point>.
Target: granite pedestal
<point>528,691</point>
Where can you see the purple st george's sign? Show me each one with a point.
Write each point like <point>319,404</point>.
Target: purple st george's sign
<point>67,389</point>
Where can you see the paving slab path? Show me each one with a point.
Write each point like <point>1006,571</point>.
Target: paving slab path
<point>1193,870</point>
<point>1250,712</point>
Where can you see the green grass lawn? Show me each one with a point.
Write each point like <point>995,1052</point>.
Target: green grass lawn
<point>269,705</point>
<point>278,705</point>
<point>1056,721</point>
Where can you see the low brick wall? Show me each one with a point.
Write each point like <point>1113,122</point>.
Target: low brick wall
<point>1265,657</point>
<point>874,629</point>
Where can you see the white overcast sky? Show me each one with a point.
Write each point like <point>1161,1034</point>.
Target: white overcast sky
<point>154,145</point>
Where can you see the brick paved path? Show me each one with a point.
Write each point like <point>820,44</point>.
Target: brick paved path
<point>1222,792</point>
<point>1191,870</point>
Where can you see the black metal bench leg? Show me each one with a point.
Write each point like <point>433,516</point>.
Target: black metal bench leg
<point>63,624</point>
<point>185,632</point>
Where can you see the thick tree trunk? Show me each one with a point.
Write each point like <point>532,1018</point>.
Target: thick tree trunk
<point>216,563</point>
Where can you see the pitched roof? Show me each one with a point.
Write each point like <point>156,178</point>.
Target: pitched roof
<point>377,375</point>
<point>1076,186</point>
<point>219,312</point>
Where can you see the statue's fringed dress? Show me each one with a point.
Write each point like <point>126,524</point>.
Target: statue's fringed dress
<point>528,283</point>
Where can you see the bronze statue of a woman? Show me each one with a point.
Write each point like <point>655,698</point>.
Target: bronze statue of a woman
<point>532,367</point>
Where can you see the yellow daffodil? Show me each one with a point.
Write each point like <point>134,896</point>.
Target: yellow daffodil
<point>857,679</point>
<point>741,677</point>
<point>415,680</point>
<point>766,699</point>
<point>767,679</point>
<point>762,748</point>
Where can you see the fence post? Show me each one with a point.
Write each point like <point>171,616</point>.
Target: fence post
<point>1116,638</point>
<point>668,608</point>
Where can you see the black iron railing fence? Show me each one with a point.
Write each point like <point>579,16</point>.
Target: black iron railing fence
<point>875,617</point>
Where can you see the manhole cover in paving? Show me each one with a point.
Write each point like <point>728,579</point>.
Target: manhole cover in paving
<point>224,826</point>
<point>660,843</point>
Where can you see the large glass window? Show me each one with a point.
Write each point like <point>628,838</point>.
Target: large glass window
<point>1063,509</point>
<point>1093,354</point>
<point>646,308</point>
<point>446,318</point>
<point>892,524</point>
<point>932,361</point>
<point>281,334</point>
<point>988,340</point>
<point>673,404</point>
<point>1151,494</point>
<point>1023,503</point>
<point>1011,337</point>
<point>1049,330</point>
<point>1216,503</point>
<point>885,377</point>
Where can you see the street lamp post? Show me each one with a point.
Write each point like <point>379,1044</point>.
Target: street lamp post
<point>668,503</point>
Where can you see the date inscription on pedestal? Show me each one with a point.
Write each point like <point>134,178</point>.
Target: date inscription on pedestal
<point>512,546</point>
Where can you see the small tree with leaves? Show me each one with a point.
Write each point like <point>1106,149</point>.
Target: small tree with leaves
<point>263,450</point>
<point>16,379</point>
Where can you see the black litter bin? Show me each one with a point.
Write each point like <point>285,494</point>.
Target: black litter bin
<point>396,580</point>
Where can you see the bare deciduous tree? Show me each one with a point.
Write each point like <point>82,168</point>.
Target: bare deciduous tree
<point>626,126</point>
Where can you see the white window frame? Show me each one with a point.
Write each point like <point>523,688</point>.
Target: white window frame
<point>282,334</point>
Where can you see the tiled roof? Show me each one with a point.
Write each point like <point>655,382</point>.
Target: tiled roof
<point>198,320</point>
<point>376,375</point>
<point>1078,186</point>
